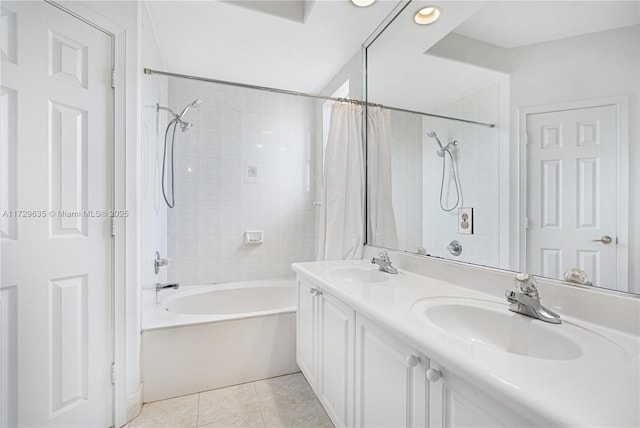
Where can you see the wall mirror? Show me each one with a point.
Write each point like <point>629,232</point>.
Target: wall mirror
<point>514,137</point>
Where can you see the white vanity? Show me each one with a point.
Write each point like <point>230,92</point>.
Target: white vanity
<point>419,349</point>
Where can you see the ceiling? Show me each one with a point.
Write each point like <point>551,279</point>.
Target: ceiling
<point>426,67</point>
<point>295,45</point>
<point>526,23</point>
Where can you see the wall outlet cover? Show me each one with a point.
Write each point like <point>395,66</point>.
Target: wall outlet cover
<point>465,221</point>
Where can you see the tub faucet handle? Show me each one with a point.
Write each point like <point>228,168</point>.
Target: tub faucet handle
<point>158,262</point>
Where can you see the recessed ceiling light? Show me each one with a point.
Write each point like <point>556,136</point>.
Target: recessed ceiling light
<point>427,15</point>
<point>363,3</point>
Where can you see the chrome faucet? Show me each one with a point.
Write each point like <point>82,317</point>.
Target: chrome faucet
<point>384,262</point>
<point>526,300</point>
<point>160,286</point>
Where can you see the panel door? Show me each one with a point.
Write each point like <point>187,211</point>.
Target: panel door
<point>336,359</point>
<point>307,331</point>
<point>390,383</point>
<point>571,193</point>
<point>454,403</point>
<point>56,144</point>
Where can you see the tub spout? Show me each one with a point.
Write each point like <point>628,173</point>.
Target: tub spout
<point>160,286</point>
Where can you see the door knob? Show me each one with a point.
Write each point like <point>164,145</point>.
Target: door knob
<point>605,240</point>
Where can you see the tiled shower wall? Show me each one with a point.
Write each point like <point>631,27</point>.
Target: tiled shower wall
<point>407,184</point>
<point>244,165</point>
<point>479,160</point>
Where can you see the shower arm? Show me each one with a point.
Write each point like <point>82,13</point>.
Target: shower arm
<point>159,107</point>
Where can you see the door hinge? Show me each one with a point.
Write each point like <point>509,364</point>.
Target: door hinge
<point>113,226</point>
<point>113,373</point>
<point>113,77</point>
<point>527,223</point>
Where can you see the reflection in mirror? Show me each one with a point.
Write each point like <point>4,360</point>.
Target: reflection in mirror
<point>548,189</point>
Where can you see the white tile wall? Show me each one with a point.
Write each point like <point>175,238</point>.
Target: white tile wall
<point>479,160</point>
<point>406,164</point>
<point>153,227</point>
<point>217,201</point>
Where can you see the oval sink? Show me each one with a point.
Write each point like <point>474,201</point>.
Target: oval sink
<point>493,325</point>
<point>357,274</point>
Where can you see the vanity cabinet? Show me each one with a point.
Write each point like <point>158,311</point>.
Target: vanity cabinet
<point>390,380</point>
<point>365,377</point>
<point>325,350</point>
<point>454,403</point>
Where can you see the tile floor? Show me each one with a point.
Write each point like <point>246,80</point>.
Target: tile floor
<point>285,401</point>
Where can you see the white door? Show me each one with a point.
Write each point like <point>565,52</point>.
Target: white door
<point>572,193</point>
<point>57,107</point>
<point>390,382</point>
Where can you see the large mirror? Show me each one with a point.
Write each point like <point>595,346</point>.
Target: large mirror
<point>513,137</point>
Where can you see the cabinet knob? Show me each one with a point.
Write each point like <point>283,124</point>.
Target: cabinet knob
<point>434,375</point>
<point>318,292</point>
<point>313,290</point>
<point>413,360</point>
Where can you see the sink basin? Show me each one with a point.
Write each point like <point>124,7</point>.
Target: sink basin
<point>357,274</point>
<point>492,324</point>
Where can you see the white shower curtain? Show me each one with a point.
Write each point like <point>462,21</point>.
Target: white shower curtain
<point>341,231</point>
<point>381,227</point>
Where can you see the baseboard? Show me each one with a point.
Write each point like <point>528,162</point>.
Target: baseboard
<point>134,403</point>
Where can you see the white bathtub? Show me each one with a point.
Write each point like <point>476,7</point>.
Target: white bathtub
<point>212,336</point>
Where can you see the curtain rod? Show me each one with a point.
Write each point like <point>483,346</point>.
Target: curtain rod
<point>304,94</point>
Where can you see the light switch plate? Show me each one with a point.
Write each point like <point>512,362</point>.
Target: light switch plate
<point>465,221</point>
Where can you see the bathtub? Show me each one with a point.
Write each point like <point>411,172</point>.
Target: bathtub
<point>211,336</point>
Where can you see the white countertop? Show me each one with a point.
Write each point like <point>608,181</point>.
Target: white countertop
<point>596,389</point>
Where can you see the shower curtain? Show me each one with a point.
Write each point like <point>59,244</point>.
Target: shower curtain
<point>381,227</point>
<point>341,231</point>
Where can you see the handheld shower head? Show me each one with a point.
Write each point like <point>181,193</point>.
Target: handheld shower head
<point>432,134</point>
<point>194,104</point>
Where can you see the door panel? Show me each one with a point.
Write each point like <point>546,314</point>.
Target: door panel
<point>306,328</point>
<point>454,403</point>
<point>390,383</point>
<point>572,198</point>
<point>336,359</point>
<point>56,254</point>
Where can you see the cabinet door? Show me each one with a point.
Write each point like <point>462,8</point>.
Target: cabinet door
<point>390,382</point>
<point>336,359</point>
<point>455,403</point>
<point>306,331</point>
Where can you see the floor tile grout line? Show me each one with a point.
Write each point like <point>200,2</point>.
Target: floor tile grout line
<point>264,425</point>
<point>198,411</point>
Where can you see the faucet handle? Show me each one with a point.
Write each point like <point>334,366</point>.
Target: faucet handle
<point>158,262</point>
<point>382,255</point>
<point>526,284</point>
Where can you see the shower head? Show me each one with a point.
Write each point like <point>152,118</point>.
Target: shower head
<point>442,148</point>
<point>433,135</point>
<point>177,118</point>
<point>194,104</point>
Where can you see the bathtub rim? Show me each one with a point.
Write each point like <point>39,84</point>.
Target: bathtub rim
<point>163,319</point>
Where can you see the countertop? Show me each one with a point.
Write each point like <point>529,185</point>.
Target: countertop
<point>599,388</point>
